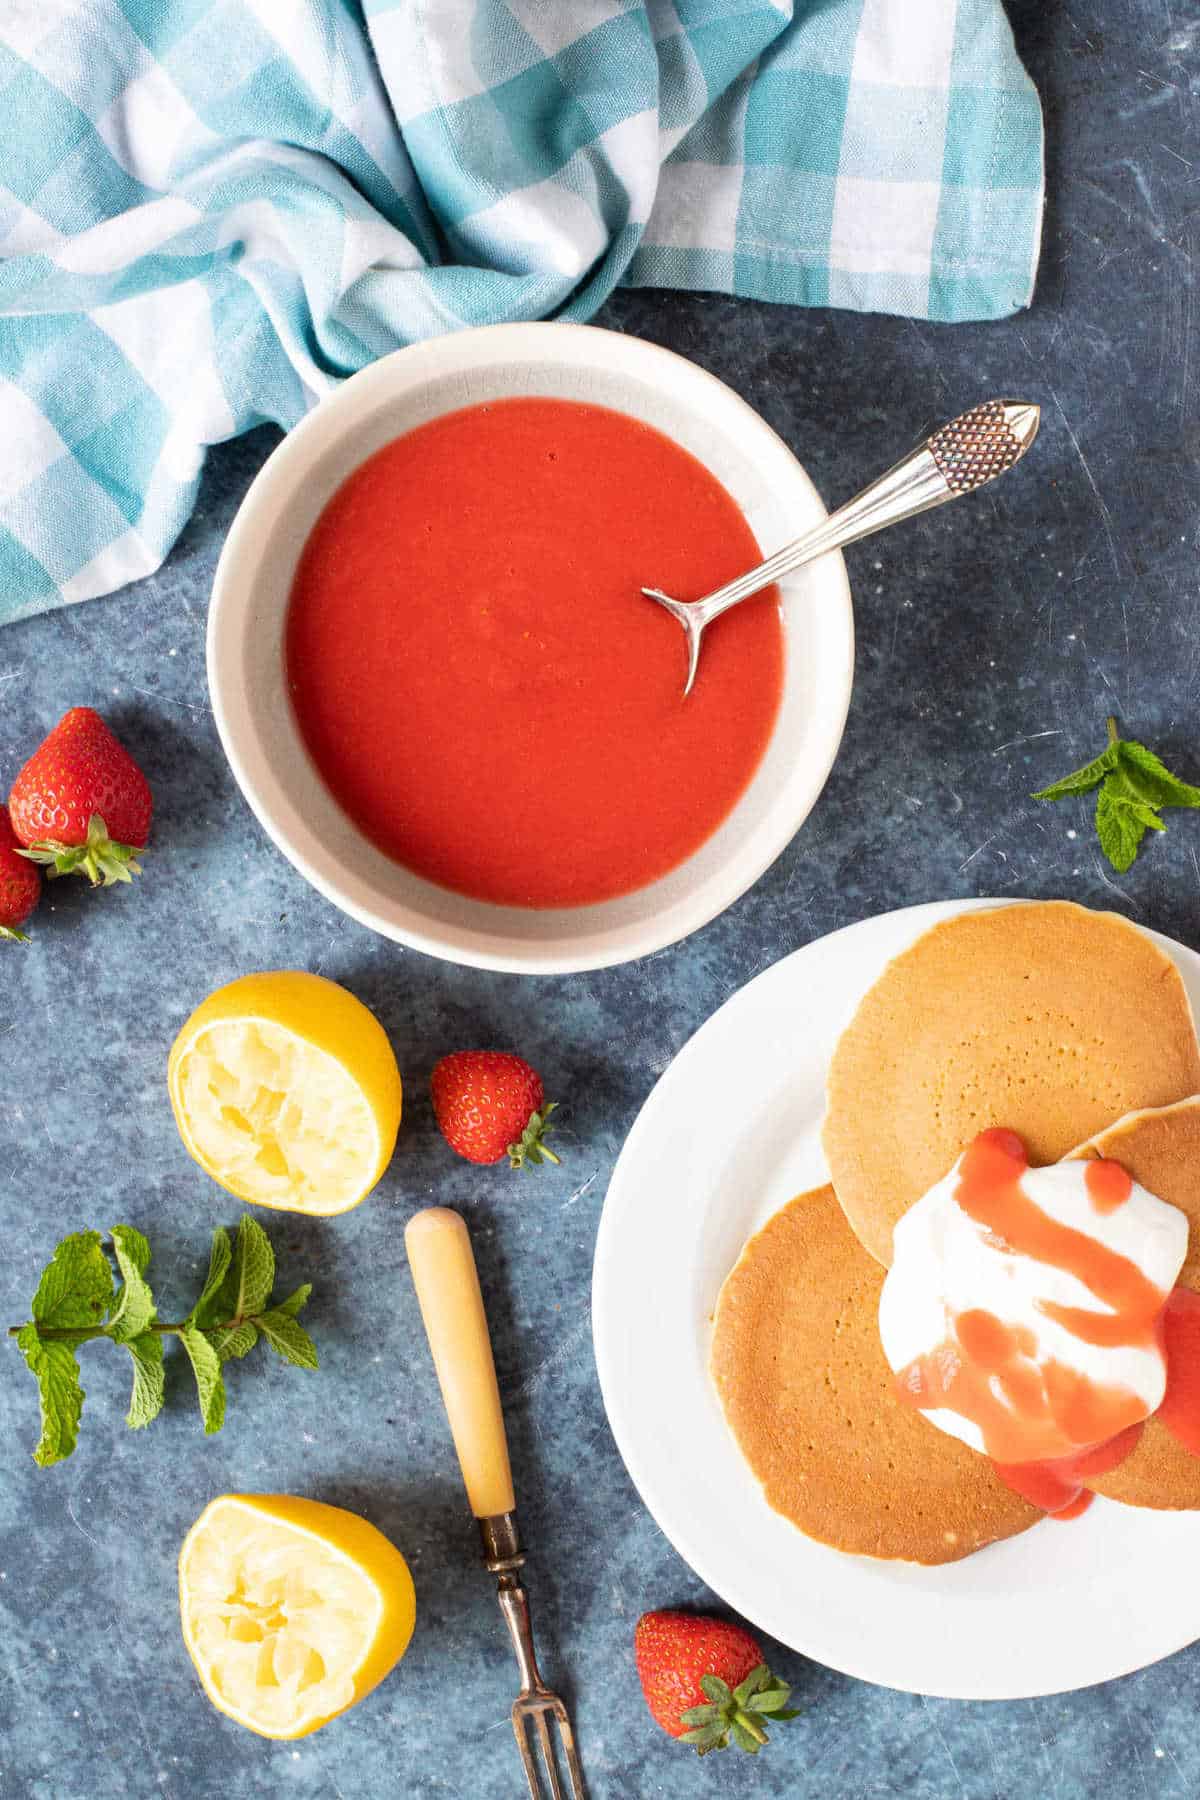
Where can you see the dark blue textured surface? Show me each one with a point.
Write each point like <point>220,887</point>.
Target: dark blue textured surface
<point>992,642</point>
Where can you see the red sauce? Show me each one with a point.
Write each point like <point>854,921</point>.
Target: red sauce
<point>1057,1486</point>
<point>1074,1509</point>
<point>1108,1184</point>
<point>480,681</point>
<point>1046,1426</point>
<point>1180,1409</point>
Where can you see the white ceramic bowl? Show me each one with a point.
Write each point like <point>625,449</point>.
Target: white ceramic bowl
<point>249,606</point>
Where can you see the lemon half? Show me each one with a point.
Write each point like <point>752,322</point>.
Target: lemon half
<point>286,1091</point>
<point>292,1610</point>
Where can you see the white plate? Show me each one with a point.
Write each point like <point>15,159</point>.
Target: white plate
<point>729,1134</point>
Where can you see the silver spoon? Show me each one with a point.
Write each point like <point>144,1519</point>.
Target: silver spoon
<point>961,457</point>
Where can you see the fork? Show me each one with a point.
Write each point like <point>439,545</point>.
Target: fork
<point>957,459</point>
<point>447,1284</point>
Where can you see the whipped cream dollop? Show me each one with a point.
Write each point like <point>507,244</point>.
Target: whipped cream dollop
<point>1021,1310</point>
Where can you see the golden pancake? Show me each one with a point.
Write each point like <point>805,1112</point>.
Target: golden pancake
<point>798,1366</point>
<point>1045,1018</point>
<point>1160,1473</point>
<point>1161,1149</point>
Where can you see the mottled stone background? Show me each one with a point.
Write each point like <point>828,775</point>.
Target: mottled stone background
<point>992,642</point>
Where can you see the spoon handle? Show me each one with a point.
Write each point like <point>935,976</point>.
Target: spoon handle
<point>957,459</point>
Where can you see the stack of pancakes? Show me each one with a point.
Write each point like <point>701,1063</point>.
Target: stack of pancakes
<point>1069,1027</point>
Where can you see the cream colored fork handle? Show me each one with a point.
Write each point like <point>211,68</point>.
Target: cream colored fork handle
<point>447,1284</point>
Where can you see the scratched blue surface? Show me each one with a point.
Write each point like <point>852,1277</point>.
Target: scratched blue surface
<point>992,643</point>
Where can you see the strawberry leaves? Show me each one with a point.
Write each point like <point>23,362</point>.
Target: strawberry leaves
<point>78,1301</point>
<point>532,1147</point>
<point>1134,786</point>
<point>102,861</point>
<point>737,1714</point>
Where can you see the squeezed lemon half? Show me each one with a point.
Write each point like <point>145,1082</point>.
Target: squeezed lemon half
<point>286,1091</point>
<point>292,1610</point>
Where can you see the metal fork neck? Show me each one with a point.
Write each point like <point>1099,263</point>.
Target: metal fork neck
<point>502,1552</point>
<point>514,1604</point>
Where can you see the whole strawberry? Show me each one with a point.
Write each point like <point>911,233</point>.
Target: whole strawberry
<point>81,804</point>
<point>489,1105</point>
<point>20,884</point>
<point>706,1682</point>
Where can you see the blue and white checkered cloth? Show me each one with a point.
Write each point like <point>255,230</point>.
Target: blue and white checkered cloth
<point>212,211</point>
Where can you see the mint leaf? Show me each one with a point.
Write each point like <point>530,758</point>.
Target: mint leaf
<point>244,1286</point>
<point>149,1380</point>
<point>133,1312</point>
<point>1135,785</point>
<point>135,1247</point>
<point>254,1264</point>
<point>60,1393</point>
<point>208,1309</point>
<point>1121,824</point>
<point>1152,780</point>
<point>1083,780</point>
<point>77,1302</point>
<point>76,1287</point>
<point>210,1384</point>
<point>233,1340</point>
<point>295,1300</point>
<point>289,1339</point>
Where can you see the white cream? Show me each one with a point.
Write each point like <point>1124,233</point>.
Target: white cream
<point>946,1264</point>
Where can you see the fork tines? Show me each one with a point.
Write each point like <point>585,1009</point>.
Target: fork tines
<point>529,1717</point>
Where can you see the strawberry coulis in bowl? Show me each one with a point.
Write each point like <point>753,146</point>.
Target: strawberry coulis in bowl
<point>481,684</point>
<point>441,690</point>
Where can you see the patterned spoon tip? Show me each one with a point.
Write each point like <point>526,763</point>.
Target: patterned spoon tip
<point>984,442</point>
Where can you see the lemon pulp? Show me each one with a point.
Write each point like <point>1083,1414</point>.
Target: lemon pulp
<point>286,1091</point>
<point>291,1610</point>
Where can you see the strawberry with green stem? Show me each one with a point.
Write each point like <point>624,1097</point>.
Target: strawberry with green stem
<point>706,1683</point>
<point>81,805</point>
<point>490,1104</point>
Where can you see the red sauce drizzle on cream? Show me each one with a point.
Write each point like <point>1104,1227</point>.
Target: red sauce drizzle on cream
<point>1108,1184</point>
<point>1045,1425</point>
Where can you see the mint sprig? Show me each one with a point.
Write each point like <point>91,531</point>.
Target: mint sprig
<point>1134,786</point>
<point>78,1300</point>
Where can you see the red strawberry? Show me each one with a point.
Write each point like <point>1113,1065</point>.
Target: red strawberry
<point>705,1681</point>
<point>20,883</point>
<point>489,1105</point>
<point>81,804</point>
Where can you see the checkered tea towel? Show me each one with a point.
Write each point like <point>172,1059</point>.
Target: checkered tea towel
<point>212,211</point>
